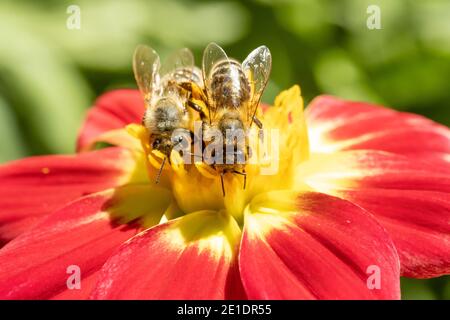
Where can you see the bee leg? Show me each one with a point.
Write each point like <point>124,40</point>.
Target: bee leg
<point>221,181</point>
<point>249,152</point>
<point>158,176</point>
<point>243,173</point>
<point>259,124</point>
<point>185,86</point>
<point>197,108</point>
<point>194,89</point>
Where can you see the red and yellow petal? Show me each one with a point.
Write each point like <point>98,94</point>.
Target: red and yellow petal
<point>84,234</point>
<point>409,198</point>
<point>105,121</point>
<point>419,222</point>
<point>314,246</point>
<point>193,257</point>
<point>336,125</point>
<point>36,186</point>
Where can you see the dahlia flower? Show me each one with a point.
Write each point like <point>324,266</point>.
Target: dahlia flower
<point>360,198</point>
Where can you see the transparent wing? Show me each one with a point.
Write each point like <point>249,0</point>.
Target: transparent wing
<point>211,56</point>
<point>177,68</point>
<point>257,67</point>
<point>197,76</point>
<point>146,66</point>
<point>180,59</point>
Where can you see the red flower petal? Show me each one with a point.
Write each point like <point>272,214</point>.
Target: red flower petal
<point>87,285</point>
<point>315,247</point>
<point>336,125</point>
<point>113,110</point>
<point>410,199</point>
<point>419,224</point>
<point>189,258</point>
<point>85,233</point>
<point>36,186</point>
<point>34,265</point>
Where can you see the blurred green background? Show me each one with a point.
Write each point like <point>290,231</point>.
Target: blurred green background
<point>50,75</point>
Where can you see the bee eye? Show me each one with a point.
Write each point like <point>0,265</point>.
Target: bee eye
<point>156,143</point>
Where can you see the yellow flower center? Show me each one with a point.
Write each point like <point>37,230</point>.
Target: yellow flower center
<point>197,186</point>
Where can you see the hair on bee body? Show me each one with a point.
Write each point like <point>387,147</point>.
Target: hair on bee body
<point>233,91</point>
<point>165,98</point>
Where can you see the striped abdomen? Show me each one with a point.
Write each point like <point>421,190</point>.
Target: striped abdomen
<point>181,75</point>
<point>229,85</point>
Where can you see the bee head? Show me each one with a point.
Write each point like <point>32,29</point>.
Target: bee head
<point>165,142</point>
<point>162,143</point>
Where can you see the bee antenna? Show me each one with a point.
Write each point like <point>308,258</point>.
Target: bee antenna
<point>242,174</point>
<point>158,176</point>
<point>221,181</point>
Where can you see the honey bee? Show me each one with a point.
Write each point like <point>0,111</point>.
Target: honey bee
<point>165,98</point>
<point>233,92</point>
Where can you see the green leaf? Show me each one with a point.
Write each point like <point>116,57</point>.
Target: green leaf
<point>12,146</point>
<point>51,94</point>
<point>415,289</point>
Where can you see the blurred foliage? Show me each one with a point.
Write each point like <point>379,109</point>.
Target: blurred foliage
<point>50,75</point>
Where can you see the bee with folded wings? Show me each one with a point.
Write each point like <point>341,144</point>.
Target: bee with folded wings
<point>164,96</point>
<point>232,93</point>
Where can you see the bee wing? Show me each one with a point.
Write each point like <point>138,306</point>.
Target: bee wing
<point>257,67</point>
<point>213,53</point>
<point>182,58</point>
<point>146,66</point>
<point>177,68</point>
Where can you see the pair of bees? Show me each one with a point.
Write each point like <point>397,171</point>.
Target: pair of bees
<point>229,90</point>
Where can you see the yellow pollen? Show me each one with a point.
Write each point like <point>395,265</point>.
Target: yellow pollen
<point>197,186</point>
